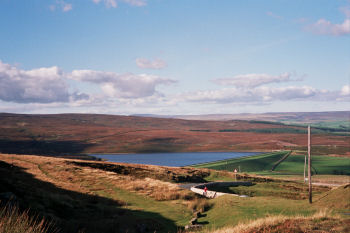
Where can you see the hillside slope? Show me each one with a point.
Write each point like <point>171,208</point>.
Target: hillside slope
<point>90,133</point>
<point>92,196</point>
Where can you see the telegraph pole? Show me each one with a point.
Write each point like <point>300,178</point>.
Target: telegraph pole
<point>309,163</point>
<point>305,169</point>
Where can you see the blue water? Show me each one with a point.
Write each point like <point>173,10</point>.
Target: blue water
<point>172,159</point>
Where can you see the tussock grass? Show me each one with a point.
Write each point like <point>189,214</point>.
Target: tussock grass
<point>14,221</point>
<point>156,189</point>
<point>199,204</point>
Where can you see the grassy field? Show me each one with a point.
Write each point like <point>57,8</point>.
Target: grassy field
<point>262,162</point>
<point>89,196</point>
<point>292,165</point>
<point>233,210</point>
<point>345,124</point>
<point>321,165</point>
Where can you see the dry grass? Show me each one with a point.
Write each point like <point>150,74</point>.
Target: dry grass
<point>322,221</point>
<point>337,198</point>
<point>88,180</point>
<point>72,195</point>
<point>156,189</point>
<point>199,204</point>
<point>14,221</point>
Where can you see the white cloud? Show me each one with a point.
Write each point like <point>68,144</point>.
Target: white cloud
<point>114,3</point>
<point>254,80</point>
<point>324,27</point>
<point>43,85</point>
<point>48,85</point>
<point>65,7</point>
<point>49,89</point>
<point>261,94</point>
<point>122,85</point>
<point>136,2</point>
<point>345,91</point>
<point>108,3</point>
<point>148,64</point>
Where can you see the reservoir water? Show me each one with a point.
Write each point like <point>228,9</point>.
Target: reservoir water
<point>172,159</point>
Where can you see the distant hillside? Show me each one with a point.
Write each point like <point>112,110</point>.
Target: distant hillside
<point>61,134</point>
<point>294,117</point>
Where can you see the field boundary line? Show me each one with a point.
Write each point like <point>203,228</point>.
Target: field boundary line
<point>281,160</point>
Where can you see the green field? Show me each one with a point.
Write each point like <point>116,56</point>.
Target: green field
<point>345,124</point>
<point>293,165</point>
<point>322,165</point>
<point>262,162</point>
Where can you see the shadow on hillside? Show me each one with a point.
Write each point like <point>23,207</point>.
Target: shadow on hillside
<point>76,212</point>
<point>42,147</point>
<point>143,172</point>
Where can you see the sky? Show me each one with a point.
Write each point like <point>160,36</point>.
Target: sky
<point>174,57</point>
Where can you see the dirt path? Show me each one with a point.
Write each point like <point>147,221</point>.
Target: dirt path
<point>326,184</point>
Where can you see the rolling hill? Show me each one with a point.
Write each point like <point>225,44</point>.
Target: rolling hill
<point>68,134</point>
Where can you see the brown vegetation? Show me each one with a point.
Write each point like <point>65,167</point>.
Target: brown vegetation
<point>14,221</point>
<point>88,133</point>
<point>85,198</point>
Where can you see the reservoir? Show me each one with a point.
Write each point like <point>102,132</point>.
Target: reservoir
<point>172,159</point>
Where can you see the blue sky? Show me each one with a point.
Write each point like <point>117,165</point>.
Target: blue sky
<point>174,57</point>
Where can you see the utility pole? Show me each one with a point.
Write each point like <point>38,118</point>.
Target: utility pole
<point>305,170</point>
<point>309,162</point>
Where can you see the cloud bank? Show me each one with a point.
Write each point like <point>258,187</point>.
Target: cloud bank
<point>263,94</point>
<point>43,85</point>
<point>122,85</point>
<point>49,85</point>
<point>52,88</point>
